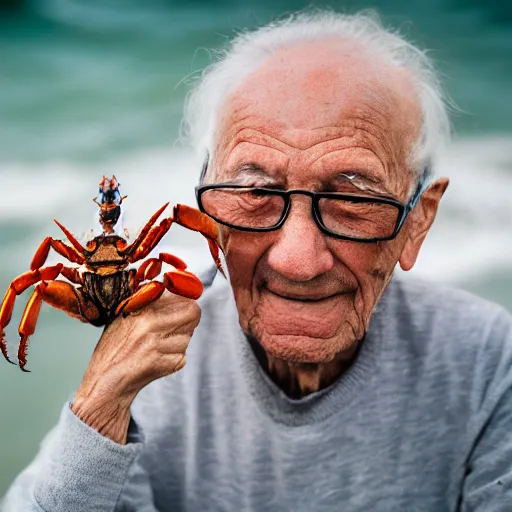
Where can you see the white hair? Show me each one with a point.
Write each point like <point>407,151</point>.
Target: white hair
<point>249,50</point>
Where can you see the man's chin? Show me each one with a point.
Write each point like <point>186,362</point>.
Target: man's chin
<point>302,349</point>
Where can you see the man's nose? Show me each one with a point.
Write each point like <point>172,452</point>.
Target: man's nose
<point>300,252</point>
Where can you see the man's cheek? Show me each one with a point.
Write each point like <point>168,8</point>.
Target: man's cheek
<point>242,250</point>
<point>372,265</point>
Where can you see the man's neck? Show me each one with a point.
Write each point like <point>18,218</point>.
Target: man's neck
<point>298,380</point>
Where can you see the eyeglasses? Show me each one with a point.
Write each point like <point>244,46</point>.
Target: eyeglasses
<point>343,216</point>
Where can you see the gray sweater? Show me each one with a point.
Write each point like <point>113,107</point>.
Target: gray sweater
<point>421,422</point>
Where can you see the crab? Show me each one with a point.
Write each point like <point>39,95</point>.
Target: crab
<point>102,286</point>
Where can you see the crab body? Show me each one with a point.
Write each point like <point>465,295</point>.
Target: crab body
<point>103,252</point>
<point>103,286</point>
<point>106,292</point>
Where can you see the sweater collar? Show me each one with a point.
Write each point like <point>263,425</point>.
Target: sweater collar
<point>320,405</point>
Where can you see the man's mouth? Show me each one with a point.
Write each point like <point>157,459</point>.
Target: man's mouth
<point>303,297</point>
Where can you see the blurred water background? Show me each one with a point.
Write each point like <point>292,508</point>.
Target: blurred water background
<point>96,87</point>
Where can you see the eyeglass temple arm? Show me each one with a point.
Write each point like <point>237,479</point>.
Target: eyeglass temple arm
<point>204,169</point>
<point>423,184</point>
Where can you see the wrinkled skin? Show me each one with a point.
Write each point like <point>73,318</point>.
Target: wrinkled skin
<point>307,114</point>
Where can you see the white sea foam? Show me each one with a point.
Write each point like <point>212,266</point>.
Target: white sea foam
<point>472,235</point>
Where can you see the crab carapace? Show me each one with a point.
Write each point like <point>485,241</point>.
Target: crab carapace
<point>103,286</point>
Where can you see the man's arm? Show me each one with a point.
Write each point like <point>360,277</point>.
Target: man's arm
<point>89,460</point>
<point>79,469</point>
<point>488,483</point>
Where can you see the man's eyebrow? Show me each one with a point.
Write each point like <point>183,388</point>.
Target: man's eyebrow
<point>362,181</point>
<point>358,176</point>
<point>250,170</point>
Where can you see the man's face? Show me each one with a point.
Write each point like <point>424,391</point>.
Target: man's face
<point>307,118</point>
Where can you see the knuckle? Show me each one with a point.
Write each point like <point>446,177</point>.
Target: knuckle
<point>172,343</point>
<point>181,363</point>
<point>169,364</point>
<point>194,313</point>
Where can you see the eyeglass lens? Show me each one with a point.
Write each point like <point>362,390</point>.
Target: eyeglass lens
<point>255,209</point>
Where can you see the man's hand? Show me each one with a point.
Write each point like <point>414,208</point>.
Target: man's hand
<point>131,353</point>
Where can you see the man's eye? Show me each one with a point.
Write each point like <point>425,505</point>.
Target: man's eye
<point>254,199</point>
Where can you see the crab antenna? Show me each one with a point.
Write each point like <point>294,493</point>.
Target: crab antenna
<point>74,242</point>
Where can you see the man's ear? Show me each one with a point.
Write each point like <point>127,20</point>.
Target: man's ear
<point>423,216</point>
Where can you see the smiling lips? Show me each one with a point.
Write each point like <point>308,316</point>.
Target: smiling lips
<point>305,297</point>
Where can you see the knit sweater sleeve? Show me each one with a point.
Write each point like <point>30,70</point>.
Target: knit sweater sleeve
<point>488,482</point>
<point>79,469</point>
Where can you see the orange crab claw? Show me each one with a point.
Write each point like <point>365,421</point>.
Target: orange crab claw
<point>149,270</point>
<point>170,259</point>
<point>195,220</point>
<point>183,283</point>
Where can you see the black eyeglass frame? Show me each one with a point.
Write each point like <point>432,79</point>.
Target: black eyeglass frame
<point>403,210</point>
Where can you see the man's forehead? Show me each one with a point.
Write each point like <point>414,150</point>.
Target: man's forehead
<point>323,85</point>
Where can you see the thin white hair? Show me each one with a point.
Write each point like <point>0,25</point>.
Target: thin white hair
<point>248,50</point>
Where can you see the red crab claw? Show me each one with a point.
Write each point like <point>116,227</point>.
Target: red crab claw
<point>198,221</point>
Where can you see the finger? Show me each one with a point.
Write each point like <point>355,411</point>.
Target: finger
<point>171,302</point>
<point>167,365</point>
<point>173,344</point>
<point>175,362</point>
<point>179,321</point>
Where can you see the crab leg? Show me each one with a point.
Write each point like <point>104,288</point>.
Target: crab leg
<point>18,286</point>
<point>145,295</point>
<point>41,254</point>
<point>28,326</point>
<point>68,252</point>
<point>198,221</point>
<point>71,274</point>
<point>144,231</point>
<point>5,318</point>
<point>60,247</point>
<point>58,294</point>
<point>176,281</point>
<point>151,268</point>
<point>74,242</point>
<point>23,281</point>
<point>151,240</point>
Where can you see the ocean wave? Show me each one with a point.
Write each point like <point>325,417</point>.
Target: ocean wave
<point>472,234</point>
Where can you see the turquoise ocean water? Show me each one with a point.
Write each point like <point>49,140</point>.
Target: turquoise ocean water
<point>94,87</point>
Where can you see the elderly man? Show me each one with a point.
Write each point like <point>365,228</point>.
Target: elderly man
<point>314,381</point>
